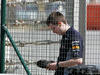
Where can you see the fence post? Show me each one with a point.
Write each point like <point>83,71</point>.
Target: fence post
<point>2,32</point>
<point>82,22</point>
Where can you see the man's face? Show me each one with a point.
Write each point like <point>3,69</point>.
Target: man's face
<point>56,29</point>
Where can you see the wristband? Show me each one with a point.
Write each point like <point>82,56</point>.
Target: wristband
<point>57,64</point>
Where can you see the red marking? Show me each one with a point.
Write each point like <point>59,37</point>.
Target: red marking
<point>93,17</point>
<point>59,23</point>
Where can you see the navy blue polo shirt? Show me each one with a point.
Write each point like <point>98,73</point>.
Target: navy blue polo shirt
<point>71,47</point>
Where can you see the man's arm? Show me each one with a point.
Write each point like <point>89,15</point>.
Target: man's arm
<point>71,62</point>
<point>68,63</point>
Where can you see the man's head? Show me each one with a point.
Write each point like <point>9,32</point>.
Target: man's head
<point>54,18</point>
<point>56,21</point>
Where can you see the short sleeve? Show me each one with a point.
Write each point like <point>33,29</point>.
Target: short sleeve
<point>76,49</point>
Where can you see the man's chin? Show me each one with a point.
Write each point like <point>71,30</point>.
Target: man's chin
<point>59,33</point>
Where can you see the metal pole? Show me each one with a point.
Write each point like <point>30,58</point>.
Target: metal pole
<point>2,47</point>
<point>82,22</point>
<point>17,51</point>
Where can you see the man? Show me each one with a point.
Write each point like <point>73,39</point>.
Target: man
<point>71,50</point>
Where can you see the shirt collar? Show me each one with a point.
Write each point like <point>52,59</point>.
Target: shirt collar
<point>68,32</point>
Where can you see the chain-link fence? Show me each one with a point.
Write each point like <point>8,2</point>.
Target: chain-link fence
<point>26,22</point>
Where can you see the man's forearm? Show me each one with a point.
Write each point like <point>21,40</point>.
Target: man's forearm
<point>71,62</point>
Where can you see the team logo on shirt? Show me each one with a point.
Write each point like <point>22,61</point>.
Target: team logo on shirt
<point>75,47</point>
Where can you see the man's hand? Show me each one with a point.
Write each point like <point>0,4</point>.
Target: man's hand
<point>52,66</point>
